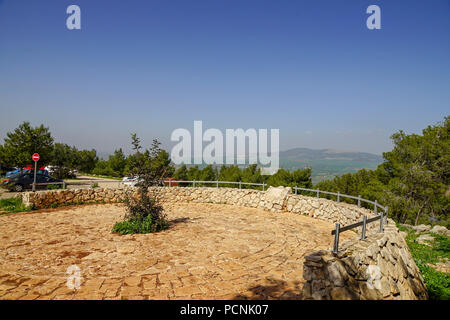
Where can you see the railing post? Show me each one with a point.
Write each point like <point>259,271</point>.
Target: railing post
<point>363,232</point>
<point>359,201</point>
<point>194,183</point>
<point>217,184</point>
<point>336,240</point>
<point>295,189</point>
<point>170,183</point>
<point>263,186</point>
<point>386,214</point>
<point>318,193</point>
<point>240,186</point>
<point>338,197</point>
<point>64,184</point>
<point>376,207</point>
<point>381,222</point>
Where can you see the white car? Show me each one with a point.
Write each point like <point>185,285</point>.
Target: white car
<point>130,181</point>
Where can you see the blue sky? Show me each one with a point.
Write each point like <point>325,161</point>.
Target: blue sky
<point>309,68</point>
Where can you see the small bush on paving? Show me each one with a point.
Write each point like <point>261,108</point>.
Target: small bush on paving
<point>144,213</point>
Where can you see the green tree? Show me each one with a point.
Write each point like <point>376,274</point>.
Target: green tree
<point>413,180</point>
<point>181,173</point>
<point>230,173</point>
<point>25,140</point>
<point>86,160</point>
<point>207,174</point>
<point>193,173</point>
<point>419,167</point>
<point>64,159</point>
<point>300,178</point>
<point>117,162</point>
<point>251,174</point>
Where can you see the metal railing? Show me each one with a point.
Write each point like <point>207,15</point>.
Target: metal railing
<point>79,182</point>
<point>338,195</point>
<point>362,223</point>
<point>170,183</point>
<point>381,215</point>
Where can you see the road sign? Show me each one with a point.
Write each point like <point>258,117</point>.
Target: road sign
<point>35,158</point>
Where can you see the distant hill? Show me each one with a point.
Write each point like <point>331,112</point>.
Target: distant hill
<point>325,163</point>
<point>328,163</point>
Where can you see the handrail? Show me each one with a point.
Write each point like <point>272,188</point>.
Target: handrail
<point>338,194</point>
<point>363,223</point>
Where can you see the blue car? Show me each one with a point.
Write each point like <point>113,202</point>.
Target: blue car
<point>17,171</point>
<point>11,173</point>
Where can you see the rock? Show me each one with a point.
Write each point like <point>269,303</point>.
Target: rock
<point>337,274</point>
<point>440,230</point>
<point>443,266</point>
<point>394,288</point>
<point>425,239</point>
<point>307,291</point>
<point>342,293</point>
<point>313,258</point>
<point>369,293</point>
<point>277,196</point>
<point>422,228</point>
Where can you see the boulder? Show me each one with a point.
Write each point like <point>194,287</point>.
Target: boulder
<point>424,239</point>
<point>277,196</point>
<point>440,230</point>
<point>422,228</point>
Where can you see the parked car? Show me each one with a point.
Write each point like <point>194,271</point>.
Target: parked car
<point>13,172</point>
<point>130,181</point>
<point>62,171</point>
<point>41,170</point>
<point>22,181</point>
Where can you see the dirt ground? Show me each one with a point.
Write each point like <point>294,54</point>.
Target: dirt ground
<point>209,252</point>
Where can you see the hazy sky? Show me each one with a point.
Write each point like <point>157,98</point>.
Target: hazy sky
<point>309,68</point>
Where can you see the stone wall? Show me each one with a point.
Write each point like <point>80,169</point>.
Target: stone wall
<point>380,267</point>
<point>274,200</point>
<point>383,259</point>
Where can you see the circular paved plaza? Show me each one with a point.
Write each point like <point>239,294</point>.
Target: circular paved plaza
<point>209,252</point>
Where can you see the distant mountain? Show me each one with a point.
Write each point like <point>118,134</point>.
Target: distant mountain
<point>328,163</point>
<point>315,154</point>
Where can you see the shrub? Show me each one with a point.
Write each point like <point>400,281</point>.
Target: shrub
<point>144,214</point>
<point>94,185</point>
<point>13,205</point>
<point>146,225</point>
<point>438,283</point>
<point>54,186</point>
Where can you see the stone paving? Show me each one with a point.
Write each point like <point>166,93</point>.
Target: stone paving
<point>210,252</point>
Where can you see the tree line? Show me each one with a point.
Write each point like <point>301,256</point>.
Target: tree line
<point>413,180</point>
<point>249,174</point>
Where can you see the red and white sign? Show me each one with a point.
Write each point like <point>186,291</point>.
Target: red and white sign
<point>35,157</point>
